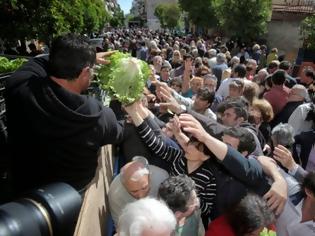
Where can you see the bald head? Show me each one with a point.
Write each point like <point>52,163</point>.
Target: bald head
<point>298,93</point>
<point>135,178</point>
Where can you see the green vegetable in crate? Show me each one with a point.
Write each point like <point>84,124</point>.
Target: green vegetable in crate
<point>124,77</point>
<point>267,232</point>
<point>9,66</point>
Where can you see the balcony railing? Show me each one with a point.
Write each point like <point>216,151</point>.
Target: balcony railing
<point>294,6</point>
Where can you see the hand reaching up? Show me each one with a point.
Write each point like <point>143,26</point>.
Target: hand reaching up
<point>170,101</point>
<point>100,57</point>
<point>284,156</point>
<point>193,126</point>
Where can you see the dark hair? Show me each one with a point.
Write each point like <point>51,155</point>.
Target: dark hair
<point>246,138</point>
<point>272,65</point>
<point>199,145</point>
<point>164,66</point>
<point>240,70</point>
<point>69,54</point>
<point>309,73</point>
<point>32,46</point>
<point>240,101</point>
<point>176,81</point>
<point>239,109</point>
<point>251,213</point>
<point>176,192</point>
<point>285,65</point>
<point>309,182</point>
<point>278,78</point>
<point>268,81</point>
<point>206,95</point>
<point>186,56</point>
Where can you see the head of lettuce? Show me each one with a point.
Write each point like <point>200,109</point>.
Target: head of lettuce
<point>124,78</point>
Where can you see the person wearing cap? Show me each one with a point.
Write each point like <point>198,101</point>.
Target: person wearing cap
<point>297,96</point>
<point>137,180</point>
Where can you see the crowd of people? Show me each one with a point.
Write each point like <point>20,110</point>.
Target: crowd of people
<point>221,142</point>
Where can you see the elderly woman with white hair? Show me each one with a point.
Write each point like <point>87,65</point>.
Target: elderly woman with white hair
<point>146,217</point>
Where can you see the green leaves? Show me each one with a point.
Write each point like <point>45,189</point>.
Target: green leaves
<point>244,19</point>
<point>117,18</point>
<point>307,31</point>
<point>9,66</point>
<point>124,78</point>
<point>267,232</point>
<point>168,14</point>
<point>47,18</point>
<point>200,12</point>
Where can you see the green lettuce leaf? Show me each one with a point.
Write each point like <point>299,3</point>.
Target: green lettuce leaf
<point>267,232</point>
<point>124,77</point>
<point>9,66</point>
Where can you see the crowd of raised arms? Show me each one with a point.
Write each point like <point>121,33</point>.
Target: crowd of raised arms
<point>221,142</point>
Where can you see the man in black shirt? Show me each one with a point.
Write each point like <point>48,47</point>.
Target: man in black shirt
<point>54,132</point>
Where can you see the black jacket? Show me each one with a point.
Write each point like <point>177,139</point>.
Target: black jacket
<point>53,134</point>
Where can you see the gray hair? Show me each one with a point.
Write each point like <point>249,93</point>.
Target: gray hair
<point>210,76</point>
<point>283,134</point>
<point>221,58</point>
<point>145,213</point>
<point>212,52</point>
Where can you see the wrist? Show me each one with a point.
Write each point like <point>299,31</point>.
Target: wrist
<point>181,109</point>
<point>204,138</point>
<point>292,167</point>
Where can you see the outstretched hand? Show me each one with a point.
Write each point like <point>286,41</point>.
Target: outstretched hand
<point>277,196</point>
<point>100,57</point>
<point>193,126</point>
<point>171,102</point>
<point>284,156</point>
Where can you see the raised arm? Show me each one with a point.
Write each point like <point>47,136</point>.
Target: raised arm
<point>154,142</point>
<point>186,76</point>
<point>245,170</point>
<point>284,156</point>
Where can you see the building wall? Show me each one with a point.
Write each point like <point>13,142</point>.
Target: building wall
<point>153,22</point>
<point>285,36</point>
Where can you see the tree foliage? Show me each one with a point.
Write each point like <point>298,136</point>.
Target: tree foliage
<point>307,31</point>
<point>43,19</point>
<point>168,14</point>
<point>244,19</point>
<point>117,18</point>
<point>200,12</point>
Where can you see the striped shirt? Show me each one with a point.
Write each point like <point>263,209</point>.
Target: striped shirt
<point>203,176</point>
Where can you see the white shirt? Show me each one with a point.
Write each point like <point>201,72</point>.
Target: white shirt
<point>189,103</point>
<point>297,119</point>
<point>223,90</point>
<point>289,222</point>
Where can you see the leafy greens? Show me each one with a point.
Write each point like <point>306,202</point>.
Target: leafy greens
<point>9,66</point>
<point>124,78</point>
